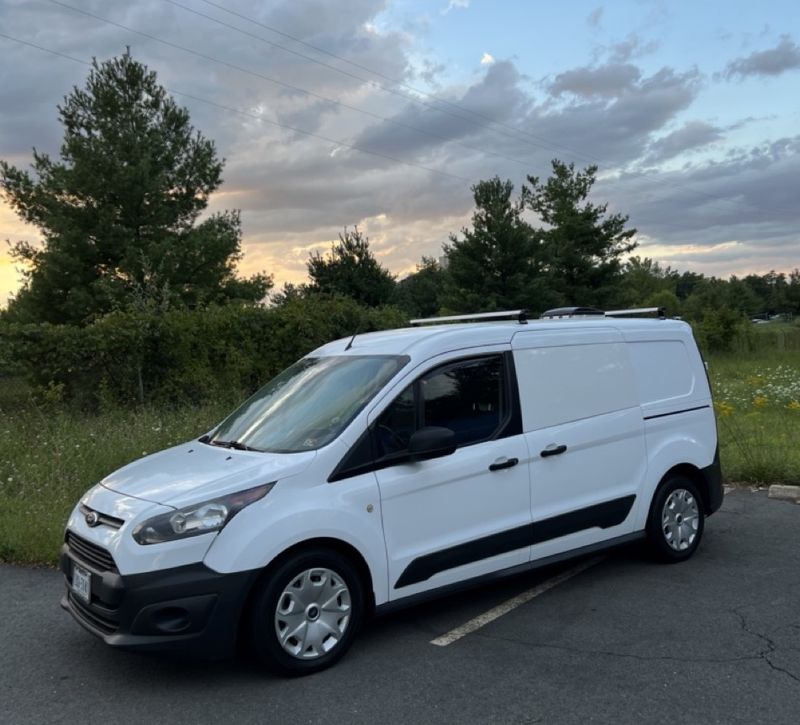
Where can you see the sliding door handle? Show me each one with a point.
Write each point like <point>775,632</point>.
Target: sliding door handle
<point>502,463</point>
<point>553,450</point>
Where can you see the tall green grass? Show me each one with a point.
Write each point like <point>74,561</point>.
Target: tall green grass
<point>50,455</point>
<point>757,400</point>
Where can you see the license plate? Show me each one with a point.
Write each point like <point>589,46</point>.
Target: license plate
<point>81,582</point>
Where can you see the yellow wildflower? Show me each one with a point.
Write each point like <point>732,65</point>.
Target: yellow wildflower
<point>793,405</point>
<point>723,409</point>
<point>760,401</point>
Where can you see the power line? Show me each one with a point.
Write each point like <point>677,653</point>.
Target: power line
<point>255,116</point>
<point>284,84</point>
<point>546,145</point>
<point>662,182</point>
<point>550,145</point>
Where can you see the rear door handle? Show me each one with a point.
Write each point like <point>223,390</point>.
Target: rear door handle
<point>502,463</point>
<point>553,450</point>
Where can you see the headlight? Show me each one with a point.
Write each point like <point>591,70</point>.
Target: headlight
<point>200,518</point>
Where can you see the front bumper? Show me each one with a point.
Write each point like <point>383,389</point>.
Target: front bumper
<point>190,609</point>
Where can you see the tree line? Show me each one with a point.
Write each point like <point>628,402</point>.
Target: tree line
<point>123,217</point>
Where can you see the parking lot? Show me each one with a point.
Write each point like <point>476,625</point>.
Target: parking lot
<point>714,640</point>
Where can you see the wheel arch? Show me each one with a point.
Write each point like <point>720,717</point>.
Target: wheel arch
<point>321,542</point>
<point>695,475</point>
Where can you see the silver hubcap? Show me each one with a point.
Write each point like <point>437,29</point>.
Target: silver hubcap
<point>680,519</point>
<point>313,613</point>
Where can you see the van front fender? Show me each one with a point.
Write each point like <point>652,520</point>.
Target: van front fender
<point>251,541</point>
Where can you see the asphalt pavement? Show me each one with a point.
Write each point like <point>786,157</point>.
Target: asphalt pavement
<point>713,640</point>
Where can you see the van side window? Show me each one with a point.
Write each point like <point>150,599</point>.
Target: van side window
<point>468,397</point>
<point>396,424</point>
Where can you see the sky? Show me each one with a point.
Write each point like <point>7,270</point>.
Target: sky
<point>383,114</point>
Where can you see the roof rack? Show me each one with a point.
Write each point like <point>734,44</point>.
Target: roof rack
<point>520,315</point>
<point>560,312</point>
<point>657,311</point>
<point>572,312</point>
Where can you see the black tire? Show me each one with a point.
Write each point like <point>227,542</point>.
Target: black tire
<point>674,535</point>
<point>285,586</point>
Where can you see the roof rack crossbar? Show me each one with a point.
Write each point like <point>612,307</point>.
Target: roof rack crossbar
<point>520,315</point>
<point>560,312</point>
<point>572,312</point>
<point>659,311</point>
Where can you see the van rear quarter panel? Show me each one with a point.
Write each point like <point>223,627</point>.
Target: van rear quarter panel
<point>676,404</point>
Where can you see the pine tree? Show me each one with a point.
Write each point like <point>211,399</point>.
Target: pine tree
<point>582,247</point>
<point>351,270</point>
<point>119,210</point>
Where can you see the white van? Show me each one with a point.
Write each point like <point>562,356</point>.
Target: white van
<point>392,466</point>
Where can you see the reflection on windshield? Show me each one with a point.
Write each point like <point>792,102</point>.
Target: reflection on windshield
<point>309,403</point>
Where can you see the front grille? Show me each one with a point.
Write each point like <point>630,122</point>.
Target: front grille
<point>92,617</point>
<point>92,554</point>
<point>103,519</point>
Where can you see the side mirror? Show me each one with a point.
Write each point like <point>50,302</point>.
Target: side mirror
<point>431,442</point>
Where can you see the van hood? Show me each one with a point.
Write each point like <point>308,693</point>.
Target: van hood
<point>194,472</point>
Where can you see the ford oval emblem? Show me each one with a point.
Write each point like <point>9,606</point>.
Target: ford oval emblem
<point>92,519</point>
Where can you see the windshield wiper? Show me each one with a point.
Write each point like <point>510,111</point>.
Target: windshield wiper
<point>236,445</point>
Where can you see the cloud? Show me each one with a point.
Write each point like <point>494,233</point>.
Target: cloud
<point>296,191</point>
<point>594,17</point>
<point>785,56</point>
<point>630,48</point>
<point>607,80</point>
<point>455,4</point>
<point>692,135</point>
<point>749,197</point>
<point>498,95</point>
<point>487,59</point>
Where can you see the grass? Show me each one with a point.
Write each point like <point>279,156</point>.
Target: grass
<point>50,455</point>
<point>757,400</point>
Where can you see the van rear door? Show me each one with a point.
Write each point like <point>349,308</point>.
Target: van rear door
<point>583,426</point>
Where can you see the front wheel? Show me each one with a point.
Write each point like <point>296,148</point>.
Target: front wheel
<point>676,522</point>
<point>306,612</point>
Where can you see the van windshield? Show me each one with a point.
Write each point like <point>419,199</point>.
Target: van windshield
<point>308,404</point>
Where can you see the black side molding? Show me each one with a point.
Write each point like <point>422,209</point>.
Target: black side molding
<point>413,599</point>
<point>602,515</point>
<point>676,412</point>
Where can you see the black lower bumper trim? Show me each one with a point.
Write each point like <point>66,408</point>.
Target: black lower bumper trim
<point>713,479</point>
<point>191,609</point>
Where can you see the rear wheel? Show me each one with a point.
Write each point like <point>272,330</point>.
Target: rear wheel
<point>676,522</point>
<point>306,612</point>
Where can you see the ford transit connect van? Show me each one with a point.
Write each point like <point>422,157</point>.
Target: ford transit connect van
<point>391,466</point>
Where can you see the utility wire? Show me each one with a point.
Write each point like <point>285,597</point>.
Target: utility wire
<point>661,182</point>
<point>290,86</point>
<point>549,146</point>
<point>255,116</point>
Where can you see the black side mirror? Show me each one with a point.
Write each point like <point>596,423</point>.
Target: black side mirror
<point>431,442</point>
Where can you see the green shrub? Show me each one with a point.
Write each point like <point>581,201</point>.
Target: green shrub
<point>180,356</point>
<point>723,330</point>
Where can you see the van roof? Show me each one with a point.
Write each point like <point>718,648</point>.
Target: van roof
<point>434,339</point>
